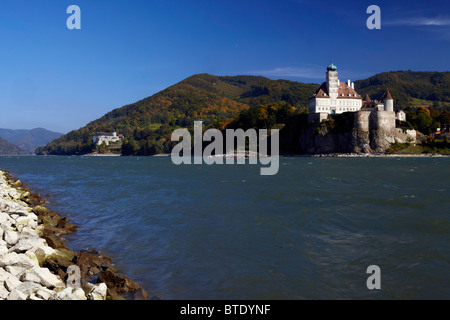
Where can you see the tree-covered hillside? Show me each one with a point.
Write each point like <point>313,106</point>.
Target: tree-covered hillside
<point>232,100</point>
<point>406,86</point>
<point>147,124</point>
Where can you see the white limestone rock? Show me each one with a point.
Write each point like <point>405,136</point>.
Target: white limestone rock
<point>4,275</point>
<point>3,250</point>
<point>28,288</point>
<point>14,194</point>
<point>11,283</point>
<point>15,259</point>
<point>98,293</point>
<point>17,295</point>
<point>15,271</point>
<point>11,237</point>
<point>47,278</point>
<point>65,294</point>
<point>23,221</point>
<point>27,244</point>
<point>32,256</point>
<point>79,294</point>
<point>3,292</point>
<point>5,219</point>
<point>34,297</point>
<point>30,276</point>
<point>45,293</point>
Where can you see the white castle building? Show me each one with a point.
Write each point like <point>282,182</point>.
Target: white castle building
<point>334,97</point>
<point>107,138</point>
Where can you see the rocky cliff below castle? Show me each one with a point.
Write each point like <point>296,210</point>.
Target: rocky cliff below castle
<point>351,132</point>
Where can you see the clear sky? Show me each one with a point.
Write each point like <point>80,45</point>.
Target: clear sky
<point>61,79</point>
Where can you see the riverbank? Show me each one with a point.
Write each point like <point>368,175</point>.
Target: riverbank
<point>381,155</point>
<point>35,264</point>
<point>108,154</point>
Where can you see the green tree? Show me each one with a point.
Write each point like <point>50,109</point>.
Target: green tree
<point>102,148</point>
<point>129,147</point>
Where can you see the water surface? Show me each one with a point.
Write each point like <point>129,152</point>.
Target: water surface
<point>225,232</point>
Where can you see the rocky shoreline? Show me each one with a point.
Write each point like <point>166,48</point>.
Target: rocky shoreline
<point>381,155</point>
<point>35,264</point>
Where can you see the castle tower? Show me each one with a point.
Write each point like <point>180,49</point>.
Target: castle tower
<point>388,102</point>
<point>332,81</point>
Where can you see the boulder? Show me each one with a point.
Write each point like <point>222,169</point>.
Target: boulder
<point>68,294</point>
<point>11,237</point>
<point>40,210</point>
<point>47,278</point>
<point>11,283</point>
<point>29,276</point>
<point>43,253</point>
<point>34,297</point>
<point>27,244</point>
<point>4,275</point>
<point>3,250</point>
<point>45,293</point>
<point>17,295</point>
<point>53,241</point>
<point>15,259</point>
<point>3,292</point>
<point>15,271</point>
<point>79,294</point>
<point>98,292</point>
<point>87,260</point>
<point>28,288</point>
<point>32,256</point>
<point>5,219</point>
<point>23,221</point>
<point>116,282</point>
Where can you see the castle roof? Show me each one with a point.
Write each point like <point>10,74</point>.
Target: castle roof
<point>105,134</point>
<point>344,92</point>
<point>387,95</point>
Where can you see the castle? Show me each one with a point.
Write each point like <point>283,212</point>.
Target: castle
<point>334,97</point>
<point>370,117</point>
<point>106,138</point>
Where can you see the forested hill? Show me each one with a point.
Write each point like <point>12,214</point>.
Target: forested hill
<point>407,87</point>
<point>147,124</point>
<point>7,148</point>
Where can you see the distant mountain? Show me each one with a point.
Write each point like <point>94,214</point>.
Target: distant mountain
<point>218,100</point>
<point>29,140</point>
<point>9,149</point>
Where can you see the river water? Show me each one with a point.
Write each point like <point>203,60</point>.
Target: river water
<point>226,232</point>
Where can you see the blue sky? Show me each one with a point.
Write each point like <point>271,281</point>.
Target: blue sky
<point>61,79</point>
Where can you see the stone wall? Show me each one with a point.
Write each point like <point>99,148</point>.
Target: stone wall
<point>366,132</point>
